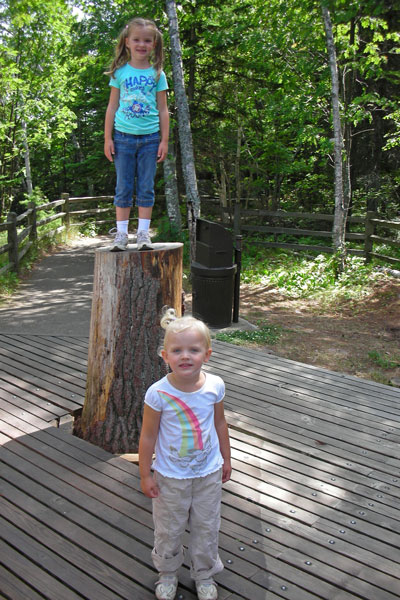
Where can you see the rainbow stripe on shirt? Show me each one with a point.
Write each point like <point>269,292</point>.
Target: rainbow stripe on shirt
<point>191,431</point>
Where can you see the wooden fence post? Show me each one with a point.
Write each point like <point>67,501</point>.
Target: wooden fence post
<point>130,288</point>
<point>12,240</point>
<point>369,231</point>
<point>32,219</point>
<point>67,217</point>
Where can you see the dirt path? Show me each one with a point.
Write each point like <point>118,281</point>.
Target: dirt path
<point>361,340</point>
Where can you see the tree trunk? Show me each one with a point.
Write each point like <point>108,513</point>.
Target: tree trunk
<point>171,190</point>
<point>238,181</point>
<point>223,195</point>
<point>185,134</point>
<point>130,288</point>
<point>340,216</point>
<point>27,159</point>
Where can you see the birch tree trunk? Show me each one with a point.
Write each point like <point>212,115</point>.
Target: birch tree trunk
<point>237,163</point>
<point>340,216</point>
<point>185,134</point>
<point>223,195</point>
<point>171,189</point>
<point>27,159</point>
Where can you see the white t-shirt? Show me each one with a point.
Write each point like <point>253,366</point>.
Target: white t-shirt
<point>138,113</point>
<point>187,444</point>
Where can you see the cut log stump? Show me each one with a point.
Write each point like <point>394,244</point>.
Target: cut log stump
<point>129,291</point>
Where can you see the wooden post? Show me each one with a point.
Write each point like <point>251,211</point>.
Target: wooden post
<point>130,289</point>
<point>67,217</point>
<point>12,240</point>
<point>369,231</point>
<point>32,222</point>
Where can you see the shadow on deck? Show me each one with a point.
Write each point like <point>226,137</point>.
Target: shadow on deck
<point>312,510</point>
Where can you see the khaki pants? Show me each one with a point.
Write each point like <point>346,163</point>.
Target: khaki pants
<point>194,502</point>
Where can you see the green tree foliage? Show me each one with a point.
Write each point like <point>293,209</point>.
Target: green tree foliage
<point>37,92</point>
<point>258,83</point>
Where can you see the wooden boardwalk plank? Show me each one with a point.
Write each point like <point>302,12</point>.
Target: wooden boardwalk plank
<point>264,387</point>
<point>311,512</point>
<point>13,587</point>
<point>98,575</point>
<point>39,578</point>
<point>22,407</point>
<point>62,351</point>
<point>290,380</point>
<point>300,370</point>
<point>84,458</point>
<point>318,408</point>
<point>115,497</point>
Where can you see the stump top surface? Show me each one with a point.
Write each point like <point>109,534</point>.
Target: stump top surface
<point>161,246</point>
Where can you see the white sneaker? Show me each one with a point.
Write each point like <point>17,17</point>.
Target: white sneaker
<point>166,587</point>
<point>206,589</point>
<point>143,240</point>
<point>120,241</point>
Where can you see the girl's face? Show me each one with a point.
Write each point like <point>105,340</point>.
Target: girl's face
<point>185,352</point>
<point>141,43</point>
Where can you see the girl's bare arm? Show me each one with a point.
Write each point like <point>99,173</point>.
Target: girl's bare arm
<point>223,436</point>
<point>164,125</point>
<point>112,108</point>
<point>147,442</point>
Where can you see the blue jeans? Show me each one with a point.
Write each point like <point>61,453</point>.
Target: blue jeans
<point>135,158</point>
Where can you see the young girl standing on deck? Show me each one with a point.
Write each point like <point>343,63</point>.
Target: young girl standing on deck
<point>184,422</point>
<point>138,113</point>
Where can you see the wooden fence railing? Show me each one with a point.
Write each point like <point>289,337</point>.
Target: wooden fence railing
<point>25,229</point>
<point>374,230</point>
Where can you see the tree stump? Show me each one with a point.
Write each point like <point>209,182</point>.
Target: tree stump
<point>130,288</point>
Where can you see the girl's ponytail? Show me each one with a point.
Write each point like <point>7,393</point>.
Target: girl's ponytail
<point>158,54</point>
<point>167,316</point>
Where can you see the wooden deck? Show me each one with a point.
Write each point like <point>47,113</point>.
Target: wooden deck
<point>312,510</point>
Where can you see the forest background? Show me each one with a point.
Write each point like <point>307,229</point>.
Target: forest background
<point>259,87</point>
<point>259,91</point>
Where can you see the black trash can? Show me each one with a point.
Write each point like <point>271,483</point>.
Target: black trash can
<point>212,293</point>
<point>213,275</point>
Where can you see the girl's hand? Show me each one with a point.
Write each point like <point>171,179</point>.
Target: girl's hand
<point>149,487</point>
<point>226,471</point>
<point>162,151</point>
<point>109,150</point>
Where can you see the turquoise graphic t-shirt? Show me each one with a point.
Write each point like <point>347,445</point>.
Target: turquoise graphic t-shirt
<point>187,444</point>
<point>137,112</point>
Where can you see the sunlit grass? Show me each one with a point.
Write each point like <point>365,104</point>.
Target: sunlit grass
<point>384,362</point>
<point>298,276</point>
<point>265,335</point>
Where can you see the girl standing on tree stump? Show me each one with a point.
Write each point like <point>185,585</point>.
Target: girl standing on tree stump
<point>138,113</point>
<point>184,421</point>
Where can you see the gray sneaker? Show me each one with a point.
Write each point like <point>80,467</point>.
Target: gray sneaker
<point>206,589</point>
<point>143,240</point>
<point>120,240</point>
<point>166,587</point>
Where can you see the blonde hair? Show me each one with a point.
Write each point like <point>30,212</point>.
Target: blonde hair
<point>123,55</point>
<point>173,324</point>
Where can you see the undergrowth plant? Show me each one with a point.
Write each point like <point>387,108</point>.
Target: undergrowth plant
<point>298,276</point>
<point>383,361</point>
<point>265,335</point>
<point>8,284</point>
<point>166,232</point>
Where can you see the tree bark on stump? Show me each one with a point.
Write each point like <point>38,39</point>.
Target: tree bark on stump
<point>130,288</point>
